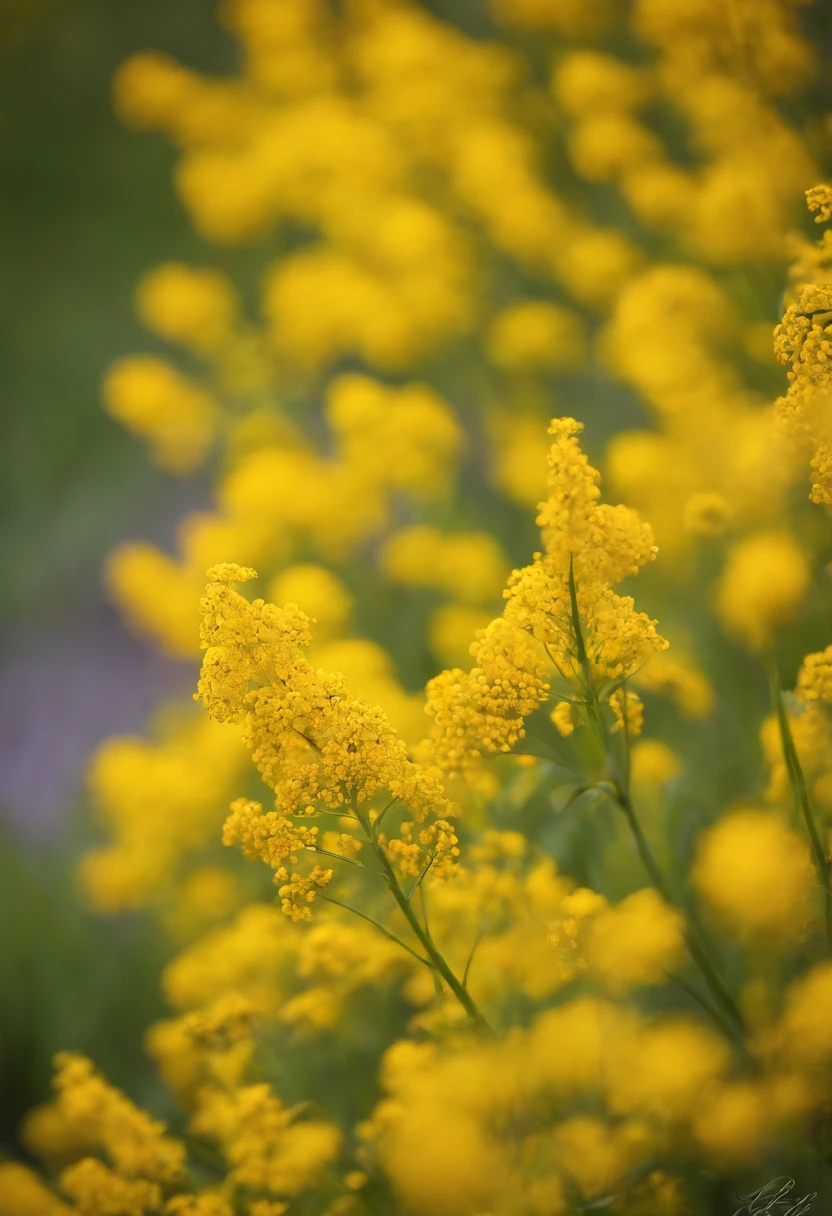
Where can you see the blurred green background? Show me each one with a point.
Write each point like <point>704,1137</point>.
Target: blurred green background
<point>85,207</point>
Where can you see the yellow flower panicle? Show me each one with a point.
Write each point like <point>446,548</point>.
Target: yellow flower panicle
<point>814,680</point>
<point>481,712</point>
<point>469,566</point>
<point>632,943</point>
<point>310,740</point>
<point>678,679</point>
<point>565,718</point>
<point>803,344</point>
<point>603,545</point>
<point>313,744</point>
<point>636,942</point>
<point>95,1188</point>
<point>597,545</point>
<point>819,199</point>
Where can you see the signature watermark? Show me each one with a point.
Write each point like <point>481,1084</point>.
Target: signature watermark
<point>776,1198</point>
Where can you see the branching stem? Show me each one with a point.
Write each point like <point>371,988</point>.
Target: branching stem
<point>422,933</point>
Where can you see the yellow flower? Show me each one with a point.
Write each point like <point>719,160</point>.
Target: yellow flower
<point>635,942</point>
<point>23,1194</point>
<point>766,576</point>
<point>137,1145</point>
<point>197,308</point>
<point>156,402</point>
<point>757,876</point>
<point>533,335</point>
<point>814,680</point>
<point>629,712</point>
<point>319,592</point>
<point>564,717</point>
<point>589,81</point>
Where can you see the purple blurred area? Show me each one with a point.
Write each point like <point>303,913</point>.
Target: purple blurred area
<point>63,692</point>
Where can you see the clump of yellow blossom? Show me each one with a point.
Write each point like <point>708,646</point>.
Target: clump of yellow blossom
<point>157,596</point>
<point>196,308</point>
<point>161,800</point>
<point>565,718</point>
<point>803,343</point>
<point>814,680</point>
<point>707,514</point>
<point>676,677</point>
<point>765,578</point>
<point>406,437</point>
<point>536,336</point>
<point>24,1194</point>
<point>756,874</point>
<point>319,592</point>
<point>819,199</point>
<point>635,942</point>
<point>652,764</point>
<point>589,545</point>
<point>470,566</point>
<point>585,80</point>
<point>136,1145</point>
<point>631,943</point>
<point>628,709</point>
<point>451,628</point>
<point>313,744</point>
<point>482,712</point>
<point>155,401</point>
<point>602,545</point>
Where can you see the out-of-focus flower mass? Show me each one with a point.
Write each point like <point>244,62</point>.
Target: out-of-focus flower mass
<point>467,910</point>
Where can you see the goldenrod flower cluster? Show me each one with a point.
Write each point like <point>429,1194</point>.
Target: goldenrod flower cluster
<point>546,930</point>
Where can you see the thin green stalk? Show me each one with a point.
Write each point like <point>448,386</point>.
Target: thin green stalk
<point>376,824</point>
<point>417,884</point>
<point>424,938</point>
<point>359,865</point>
<point>800,794</point>
<point>712,1012</point>
<point>618,789</point>
<point>695,945</point>
<point>330,899</point>
<point>471,954</point>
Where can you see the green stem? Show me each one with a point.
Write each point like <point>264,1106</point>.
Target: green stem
<point>330,899</point>
<point>693,937</point>
<point>434,954</point>
<point>712,1012</point>
<point>423,936</point>
<point>342,857</point>
<point>797,780</point>
<point>618,788</point>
